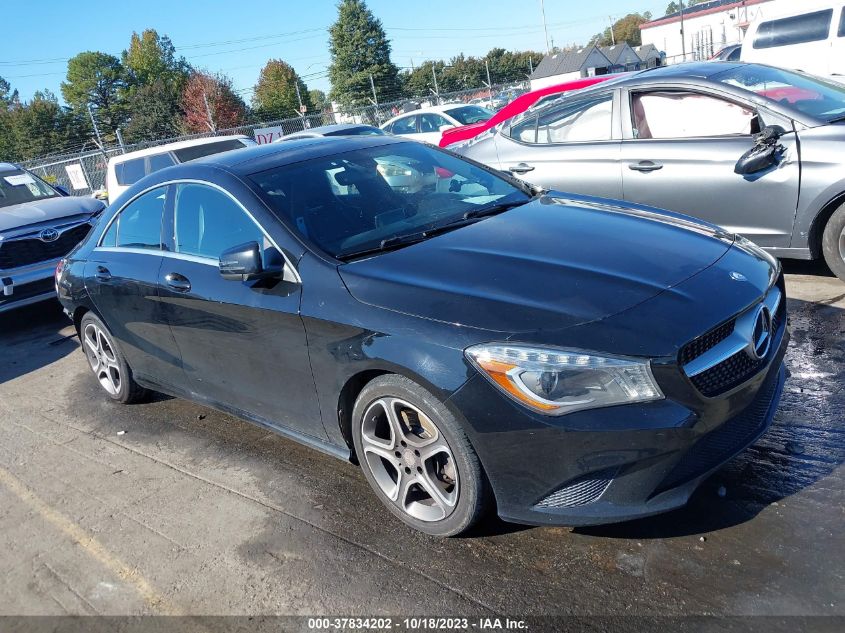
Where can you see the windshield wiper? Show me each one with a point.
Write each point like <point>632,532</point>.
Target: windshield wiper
<point>398,241</point>
<point>493,209</point>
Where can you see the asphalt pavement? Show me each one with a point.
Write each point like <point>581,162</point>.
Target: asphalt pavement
<point>168,507</point>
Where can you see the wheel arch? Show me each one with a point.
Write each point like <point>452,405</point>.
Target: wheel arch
<point>820,222</point>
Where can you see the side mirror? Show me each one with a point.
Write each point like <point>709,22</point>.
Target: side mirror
<point>61,190</point>
<point>443,128</point>
<point>764,154</point>
<point>243,263</point>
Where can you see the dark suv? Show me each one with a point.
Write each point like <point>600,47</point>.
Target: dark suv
<point>39,225</point>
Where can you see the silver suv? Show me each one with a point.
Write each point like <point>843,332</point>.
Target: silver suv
<point>39,225</point>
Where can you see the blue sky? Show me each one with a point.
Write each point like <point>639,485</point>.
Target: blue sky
<point>237,38</point>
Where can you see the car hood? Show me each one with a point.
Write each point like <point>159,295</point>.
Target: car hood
<point>556,262</point>
<point>40,211</point>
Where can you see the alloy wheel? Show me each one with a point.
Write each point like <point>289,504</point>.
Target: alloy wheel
<point>842,244</point>
<point>102,358</point>
<point>410,459</point>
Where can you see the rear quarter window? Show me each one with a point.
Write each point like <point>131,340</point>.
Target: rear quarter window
<point>798,29</point>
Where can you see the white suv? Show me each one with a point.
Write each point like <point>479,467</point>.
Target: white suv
<point>125,170</point>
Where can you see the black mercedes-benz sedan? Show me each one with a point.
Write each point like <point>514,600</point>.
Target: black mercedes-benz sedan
<point>474,344</point>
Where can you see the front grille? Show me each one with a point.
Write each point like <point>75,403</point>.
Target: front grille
<point>706,342</point>
<point>31,250</point>
<point>580,492</point>
<point>720,445</point>
<point>730,373</point>
<point>26,291</point>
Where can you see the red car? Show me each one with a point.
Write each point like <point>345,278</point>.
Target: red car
<point>517,106</point>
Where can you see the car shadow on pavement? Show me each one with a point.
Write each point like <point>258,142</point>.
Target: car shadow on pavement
<point>805,444</point>
<point>34,336</point>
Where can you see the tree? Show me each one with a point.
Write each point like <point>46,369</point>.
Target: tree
<point>275,93</point>
<point>155,79</point>
<point>359,50</point>
<point>97,79</point>
<point>42,126</point>
<point>210,103</point>
<point>674,7</point>
<point>625,29</point>
<point>155,111</point>
<point>319,99</point>
<point>152,57</point>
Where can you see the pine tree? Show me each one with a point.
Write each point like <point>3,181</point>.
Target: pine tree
<point>359,48</point>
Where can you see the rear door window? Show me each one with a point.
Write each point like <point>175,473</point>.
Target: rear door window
<point>139,223</point>
<point>841,32</point>
<point>797,29</point>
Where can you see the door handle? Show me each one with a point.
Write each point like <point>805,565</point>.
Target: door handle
<point>178,282</point>
<point>645,166</point>
<point>521,168</point>
<point>102,274</point>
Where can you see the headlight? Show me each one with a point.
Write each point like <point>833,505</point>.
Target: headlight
<point>557,382</point>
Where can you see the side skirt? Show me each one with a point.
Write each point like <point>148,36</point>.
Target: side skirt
<point>340,452</point>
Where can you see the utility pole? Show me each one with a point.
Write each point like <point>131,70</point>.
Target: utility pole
<point>436,89</point>
<point>683,35</point>
<point>299,98</point>
<point>210,121</point>
<point>545,28</point>
<point>612,36</point>
<point>375,98</point>
<point>489,83</point>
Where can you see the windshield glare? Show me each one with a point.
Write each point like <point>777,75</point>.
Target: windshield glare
<point>470,114</point>
<point>353,201</point>
<point>814,96</point>
<point>19,187</point>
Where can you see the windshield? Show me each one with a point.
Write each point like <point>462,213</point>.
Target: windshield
<point>470,114</point>
<point>19,187</point>
<point>816,97</point>
<point>357,200</point>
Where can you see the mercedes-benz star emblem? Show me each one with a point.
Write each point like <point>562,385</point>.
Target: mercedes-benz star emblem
<point>48,235</point>
<point>761,337</point>
<point>738,276</point>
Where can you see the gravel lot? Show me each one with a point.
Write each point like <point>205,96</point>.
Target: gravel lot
<point>172,508</point>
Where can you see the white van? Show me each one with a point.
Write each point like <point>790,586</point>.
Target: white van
<point>807,35</point>
<point>125,170</point>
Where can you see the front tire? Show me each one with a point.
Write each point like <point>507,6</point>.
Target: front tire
<point>833,243</point>
<point>417,458</point>
<point>107,362</point>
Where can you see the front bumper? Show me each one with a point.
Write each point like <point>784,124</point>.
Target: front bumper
<point>614,464</point>
<point>27,284</point>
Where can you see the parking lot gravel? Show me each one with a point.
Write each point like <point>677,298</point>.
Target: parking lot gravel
<point>172,508</point>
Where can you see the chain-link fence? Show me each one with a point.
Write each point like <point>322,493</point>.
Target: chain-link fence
<point>84,172</point>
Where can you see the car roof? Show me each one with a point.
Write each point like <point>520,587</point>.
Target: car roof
<point>8,167</point>
<point>167,147</point>
<point>324,130</point>
<point>261,157</point>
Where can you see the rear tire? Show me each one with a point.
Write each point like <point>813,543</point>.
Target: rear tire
<point>107,362</point>
<point>833,242</point>
<point>417,458</point>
